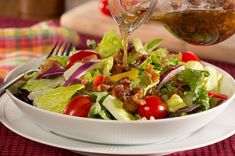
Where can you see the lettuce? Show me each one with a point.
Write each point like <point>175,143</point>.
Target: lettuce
<point>193,78</point>
<point>161,52</point>
<point>139,47</point>
<point>114,106</point>
<point>110,45</point>
<point>97,110</point>
<point>190,85</point>
<point>203,98</point>
<point>160,59</point>
<point>175,103</point>
<point>91,44</point>
<point>213,81</point>
<point>150,46</point>
<point>56,99</point>
<point>42,84</point>
<point>196,81</point>
<point>60,59</point>
<point>106,65</point>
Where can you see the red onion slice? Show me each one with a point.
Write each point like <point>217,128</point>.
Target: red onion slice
<point>81,71</point>
<point>51,72</point>
<point>168,75</point>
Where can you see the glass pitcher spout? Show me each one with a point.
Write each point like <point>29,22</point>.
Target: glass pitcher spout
<point>130,14</point>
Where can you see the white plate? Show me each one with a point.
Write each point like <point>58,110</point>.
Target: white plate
<point>222,127</point>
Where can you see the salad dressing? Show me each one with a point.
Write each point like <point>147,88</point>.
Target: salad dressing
<point>124,36</point>
<point>195,26</point>
<point>127,24</point>
<point>199,27</point>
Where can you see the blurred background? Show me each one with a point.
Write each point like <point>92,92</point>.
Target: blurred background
<point>37,9</point>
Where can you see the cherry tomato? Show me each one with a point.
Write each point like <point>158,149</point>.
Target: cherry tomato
<point>189,56</point>
<point>79,55</point>
<point>217,95</point>
<point>104,7</point>
<point>79,106</point>
<point>98,80</point>
<point>154,107</point>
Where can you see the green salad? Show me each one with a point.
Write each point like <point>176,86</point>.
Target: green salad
<point>94,83</point>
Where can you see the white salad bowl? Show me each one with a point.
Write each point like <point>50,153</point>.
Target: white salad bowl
<point>122,132</point>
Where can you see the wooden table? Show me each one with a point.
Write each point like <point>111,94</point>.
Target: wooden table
<point>88,19</point>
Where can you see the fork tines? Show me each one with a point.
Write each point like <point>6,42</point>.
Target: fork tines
<point>61,49</point>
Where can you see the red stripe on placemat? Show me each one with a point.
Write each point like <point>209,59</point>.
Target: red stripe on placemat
<point>28,42</point>
<point>12,144</point>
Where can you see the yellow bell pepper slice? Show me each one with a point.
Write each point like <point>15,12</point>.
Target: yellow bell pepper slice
<point>132,74</point>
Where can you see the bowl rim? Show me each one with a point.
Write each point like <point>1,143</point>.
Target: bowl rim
<point>60,115</point>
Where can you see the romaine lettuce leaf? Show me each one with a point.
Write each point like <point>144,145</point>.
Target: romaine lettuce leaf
<point>161,52</point>
<point>144,64</point>
<point>132,58</point>
<point>190,85</point>
<point>110,45</point>
<point>175,103</point>
<point>150,46</point>
<point>194,78</point>
<point>97,110</point>
<point>139,47</point>
<point>213,81</point>
<point>114,106</point>
<point>105,66</point>
<point>172,60</point>
<point>88,76</point>
<point>60,59</point>
<point>91,74</point>
<point>160,59</point>
<point>56,99</point>
<point>41,84</point>
<point>203,98</point>
<point>91,43</point>
<point>196,81</point>
<point>143,81</point>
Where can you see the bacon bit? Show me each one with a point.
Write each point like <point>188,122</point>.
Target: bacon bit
<point>84,81</point>
<point>49,64</point>
<point>130,106</point>
<point>89,58</point>
<point>153,76</point>
<point>107,80</point>
<point>140,59</point>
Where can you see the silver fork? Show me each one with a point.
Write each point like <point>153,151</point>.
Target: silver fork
<point>60,49</point>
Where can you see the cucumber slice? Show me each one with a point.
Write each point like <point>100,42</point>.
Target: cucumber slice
<point>213,81</point>
<point>114,106</point>
<point>195,65</point>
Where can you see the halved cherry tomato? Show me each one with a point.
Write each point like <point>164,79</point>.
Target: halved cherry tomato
<point>217,95</point>
<point>79,106</point>
<point>154,107</point>
<point>189,56</point>
<point>79,55</point>
<point>98,80</point>
<point>104,7</point>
